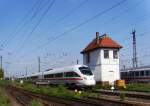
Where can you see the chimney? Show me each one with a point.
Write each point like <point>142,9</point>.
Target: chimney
<point>97,37</point>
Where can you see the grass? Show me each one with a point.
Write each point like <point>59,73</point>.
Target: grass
<point>4,101</point>
<point>58,90</point>
<point>122,96</point>
<point>61,91</point>
<point>145,87</point>
<point>35,103</point>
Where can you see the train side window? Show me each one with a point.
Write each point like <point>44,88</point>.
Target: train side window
<point>141,73</point>
<point>147,73</point>
<point>132,73</point>
<point>57,75</point>
<point>126,74</point>
<point>136,73</point>
<point>71,74</point>
<point>34,77</point>
<point>49,76</point>
<point>75,75</point>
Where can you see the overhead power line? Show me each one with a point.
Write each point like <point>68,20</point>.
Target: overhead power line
<point>79,25</point>
<point>70,12</point>
<point>65,16</point>
<point>22,22</point>
<point>83,23</point>
<point>35,27</point>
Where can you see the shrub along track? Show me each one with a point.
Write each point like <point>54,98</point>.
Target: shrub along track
<point>25,97</point>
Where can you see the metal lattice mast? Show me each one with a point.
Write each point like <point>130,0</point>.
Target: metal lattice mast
<point>134,59</point>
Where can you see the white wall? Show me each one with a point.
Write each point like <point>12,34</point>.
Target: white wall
<point>103,69</point>
<point>94,63</point>
<point>109,67</point>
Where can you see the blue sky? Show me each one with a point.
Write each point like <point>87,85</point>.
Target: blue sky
<point>21,44</point>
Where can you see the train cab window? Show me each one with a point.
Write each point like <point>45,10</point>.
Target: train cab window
<point>85,71</point>
<point>58,75</point>
<point>71,74</point>
<point>141,73</point>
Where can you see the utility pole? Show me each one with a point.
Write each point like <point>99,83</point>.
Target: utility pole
<point>39,62</point>
<point>134,59</point>
<point>1,62</point>
<point>77,61</point>
<point>26,72</point>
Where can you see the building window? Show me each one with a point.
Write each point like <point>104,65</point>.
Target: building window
<point>106,54</point>
<point>88,58</point>
<point>115,54</point>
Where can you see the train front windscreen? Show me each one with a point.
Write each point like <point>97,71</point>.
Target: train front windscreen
<point>85,71</point>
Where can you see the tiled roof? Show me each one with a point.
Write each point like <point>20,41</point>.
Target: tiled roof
<point>104,41</point>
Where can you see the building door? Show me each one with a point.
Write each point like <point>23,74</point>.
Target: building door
<point>111,77</point>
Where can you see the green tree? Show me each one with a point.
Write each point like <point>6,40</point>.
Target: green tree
<point>1,73</point>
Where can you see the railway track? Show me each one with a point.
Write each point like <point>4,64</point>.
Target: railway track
<point>143,95</point>
<point>25,97</point>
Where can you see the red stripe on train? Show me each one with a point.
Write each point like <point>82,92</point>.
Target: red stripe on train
<point>63,79</point>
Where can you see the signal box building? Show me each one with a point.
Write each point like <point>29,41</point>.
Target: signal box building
<point>102,56</point>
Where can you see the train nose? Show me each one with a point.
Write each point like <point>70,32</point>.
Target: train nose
<point>90,81</point>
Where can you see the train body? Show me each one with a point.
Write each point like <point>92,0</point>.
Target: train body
<point>140,74</point>
<point>79,75</point>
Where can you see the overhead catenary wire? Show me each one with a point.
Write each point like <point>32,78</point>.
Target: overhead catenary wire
<point>65,16</point>
<point>81,24</point>
<point>35,27</point>
<point>21,24</point>
<point>33,16</point>
<point>70,12</point>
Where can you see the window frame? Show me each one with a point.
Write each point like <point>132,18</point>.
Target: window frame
<point>115,56</point>
<point>106,57</point>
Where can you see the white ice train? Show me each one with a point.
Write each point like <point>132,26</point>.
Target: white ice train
<point>79,75</point>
